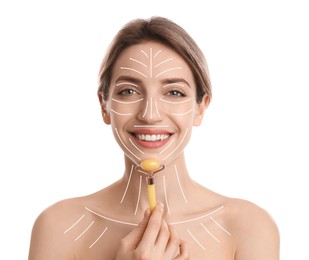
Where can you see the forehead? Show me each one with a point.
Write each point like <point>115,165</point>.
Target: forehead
<point>143,49</point>
<point>151,60</point>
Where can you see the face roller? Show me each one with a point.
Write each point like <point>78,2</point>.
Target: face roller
<point>151,166</point>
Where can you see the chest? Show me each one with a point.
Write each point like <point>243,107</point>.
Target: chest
<point>98,239</point>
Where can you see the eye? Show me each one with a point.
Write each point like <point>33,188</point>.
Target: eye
<point>176,93</point>
<point>127,92</point>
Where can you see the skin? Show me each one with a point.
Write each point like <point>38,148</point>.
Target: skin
<point>189,221</point>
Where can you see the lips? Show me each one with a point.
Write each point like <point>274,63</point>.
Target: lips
<point>151,138</point>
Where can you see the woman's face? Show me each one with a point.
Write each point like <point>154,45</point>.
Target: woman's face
<point>152,105</point>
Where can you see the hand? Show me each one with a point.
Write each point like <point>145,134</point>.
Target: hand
<point>153,239</point>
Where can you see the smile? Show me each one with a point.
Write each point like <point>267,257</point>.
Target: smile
<point>152,138</point>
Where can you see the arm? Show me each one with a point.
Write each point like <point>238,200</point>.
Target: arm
<point>257,235</point>
<point>47,238</point>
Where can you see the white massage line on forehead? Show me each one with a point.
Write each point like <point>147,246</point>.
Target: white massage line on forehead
<point>144,75</point>
<point>151,59</point>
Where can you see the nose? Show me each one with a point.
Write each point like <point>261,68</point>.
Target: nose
<point>150,112</point>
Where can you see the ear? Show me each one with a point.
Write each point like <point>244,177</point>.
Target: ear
<point>200,110</point>
<point>103,104</point>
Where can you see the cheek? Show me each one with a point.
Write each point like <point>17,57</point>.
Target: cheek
<point>120,112</point>
<point>182,113</point>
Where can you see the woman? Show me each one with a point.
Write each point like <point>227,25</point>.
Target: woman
<point>154,88</point>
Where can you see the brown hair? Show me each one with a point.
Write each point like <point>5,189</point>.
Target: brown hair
<point>167,32</point>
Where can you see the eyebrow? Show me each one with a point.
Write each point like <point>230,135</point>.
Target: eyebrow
<point>129,79</point>
<point>163,81</point>
<point>175,80</point>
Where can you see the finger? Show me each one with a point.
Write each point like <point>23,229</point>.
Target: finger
<point>153,227</point>
<point>132,240</point>
<point>184,251</point>
<point>174,242</point>
<point>163,237</point>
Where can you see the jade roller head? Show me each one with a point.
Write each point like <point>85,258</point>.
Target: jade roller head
<point>151,166</point>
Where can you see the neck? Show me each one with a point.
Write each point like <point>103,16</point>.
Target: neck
<point>172,186</point>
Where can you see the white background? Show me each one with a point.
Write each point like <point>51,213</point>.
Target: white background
<point>253,143</point>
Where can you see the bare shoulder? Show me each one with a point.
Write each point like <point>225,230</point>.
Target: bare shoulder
<point>256,232</point>
<point>48,229</point>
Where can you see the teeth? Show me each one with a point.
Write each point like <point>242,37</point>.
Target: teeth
<point>152,138</point>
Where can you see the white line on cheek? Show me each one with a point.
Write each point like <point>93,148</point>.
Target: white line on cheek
<point>126,146</point>
<point>151,107</point>
<point>135,146</point>
<point>150,63</point>
<point>127,102</point>
<point>146,109</point>
<point>181,114</point>
<point>157,110</point>
<point>177,145</point>
<point>170,143</point>
<point>175,102</point>
<point>121,114</point>
<point>151,126</point>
